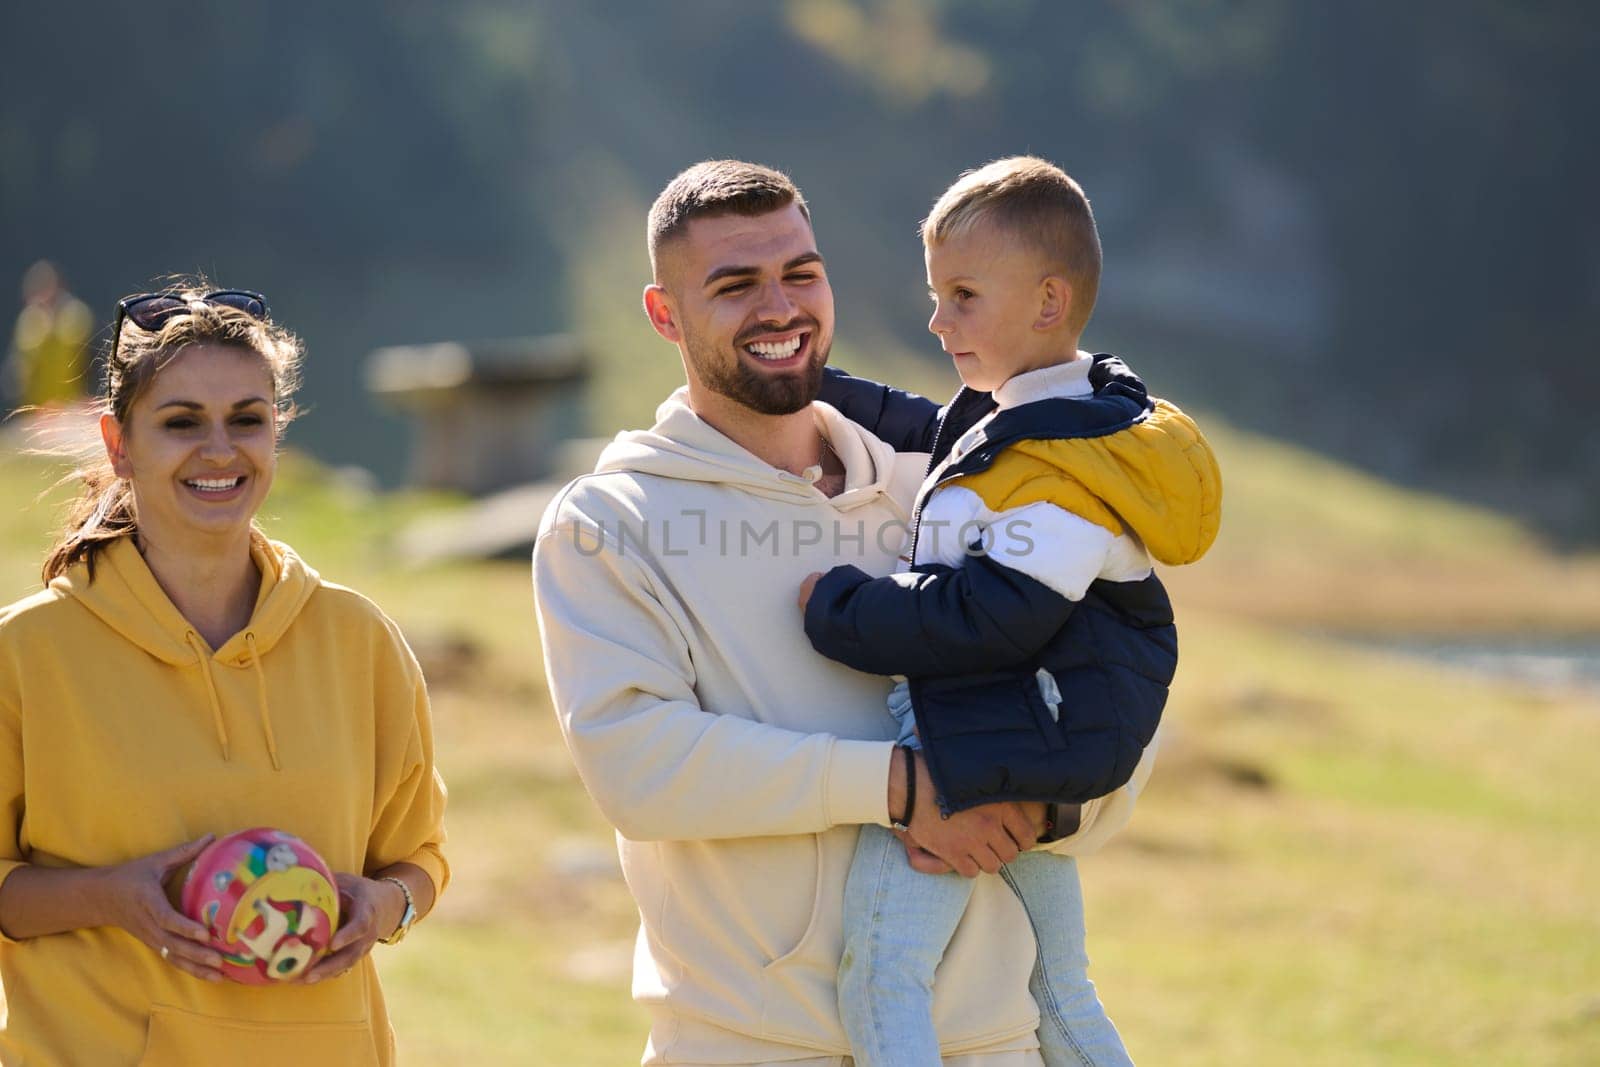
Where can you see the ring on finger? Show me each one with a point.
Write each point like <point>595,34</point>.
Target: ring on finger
<point>165,952</point>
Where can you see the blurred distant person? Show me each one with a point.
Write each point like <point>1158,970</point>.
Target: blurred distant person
<point>180,677</point>
<point>49,349</point>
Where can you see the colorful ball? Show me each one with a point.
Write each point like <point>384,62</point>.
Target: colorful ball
<point>268,899</point>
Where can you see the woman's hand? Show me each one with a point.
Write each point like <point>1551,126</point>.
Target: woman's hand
<point>135,899</point>
<point>369,909</point>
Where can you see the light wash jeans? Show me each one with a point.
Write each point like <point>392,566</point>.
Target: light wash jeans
<point>897,922</point>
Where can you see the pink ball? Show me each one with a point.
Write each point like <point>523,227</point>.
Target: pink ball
<point>270,903</point>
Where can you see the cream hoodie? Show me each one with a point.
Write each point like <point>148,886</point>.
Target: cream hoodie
<point>735,762</point>
<point>122,733</point>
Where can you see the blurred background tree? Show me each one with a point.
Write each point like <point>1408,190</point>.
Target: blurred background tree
<point>1359,226</point>
<point>1364,228</point>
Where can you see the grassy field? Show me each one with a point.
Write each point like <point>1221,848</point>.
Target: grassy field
<point>1345,856</point>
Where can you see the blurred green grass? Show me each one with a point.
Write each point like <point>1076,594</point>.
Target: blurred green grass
<point>1344,855</point>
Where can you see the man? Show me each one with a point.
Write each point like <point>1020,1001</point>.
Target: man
<point>735,763</point>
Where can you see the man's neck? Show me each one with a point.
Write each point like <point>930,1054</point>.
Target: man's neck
<point>788,442</point>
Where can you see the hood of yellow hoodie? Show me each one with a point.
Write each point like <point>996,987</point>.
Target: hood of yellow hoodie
<point>126,597</point>
<point>682,445</point>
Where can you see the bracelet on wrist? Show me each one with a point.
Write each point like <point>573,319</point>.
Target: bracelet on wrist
<point>904,822</point>
<point>407,917</point>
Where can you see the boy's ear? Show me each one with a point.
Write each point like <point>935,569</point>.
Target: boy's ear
<point>662,315</point>
<point>1055,302</point>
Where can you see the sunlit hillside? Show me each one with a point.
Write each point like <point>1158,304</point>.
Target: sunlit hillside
<point>1345,856</point>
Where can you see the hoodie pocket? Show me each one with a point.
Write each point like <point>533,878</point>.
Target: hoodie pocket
<point>179,1038</point>
<point>800,999</point>
<point>809,934</point>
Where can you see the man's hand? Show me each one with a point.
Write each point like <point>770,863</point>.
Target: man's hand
<point>920,858</point>
<point>806,588</point>
<point>977,840</point>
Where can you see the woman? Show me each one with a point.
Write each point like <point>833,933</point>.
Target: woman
<point>181,677</point>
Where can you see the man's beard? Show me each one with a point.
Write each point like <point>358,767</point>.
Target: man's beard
<point>765,394</point>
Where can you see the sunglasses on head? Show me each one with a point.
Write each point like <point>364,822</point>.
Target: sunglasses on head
<point>150,311</point>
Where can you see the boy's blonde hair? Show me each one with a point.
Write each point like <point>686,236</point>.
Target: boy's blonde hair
<point>1035,202</point>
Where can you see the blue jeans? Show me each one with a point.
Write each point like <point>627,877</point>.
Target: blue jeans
<point>897,922</point>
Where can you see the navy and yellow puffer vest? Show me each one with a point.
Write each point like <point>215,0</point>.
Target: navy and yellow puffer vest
<point>977,635</point>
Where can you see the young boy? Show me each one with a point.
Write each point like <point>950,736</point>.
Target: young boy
<point>1035,642</point>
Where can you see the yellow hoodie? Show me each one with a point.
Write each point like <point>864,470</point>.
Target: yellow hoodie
<point>123,733</point>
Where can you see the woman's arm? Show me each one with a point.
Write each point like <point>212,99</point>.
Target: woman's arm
<point>40,901</point>
<point>406,841</point>
<point>373,910</point>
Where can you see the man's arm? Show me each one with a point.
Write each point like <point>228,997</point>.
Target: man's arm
<point>661,767</point>
<point>658,765</point>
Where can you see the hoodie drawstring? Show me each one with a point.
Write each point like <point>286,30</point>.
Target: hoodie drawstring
<point>203,654</point>
<point>899,509</point>
<point>261,691</point>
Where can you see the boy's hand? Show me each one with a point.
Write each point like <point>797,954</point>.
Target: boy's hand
<point>806,588</point>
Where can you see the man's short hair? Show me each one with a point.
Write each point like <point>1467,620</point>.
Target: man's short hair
<point>1035,202</point>
<point>718,187</point>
